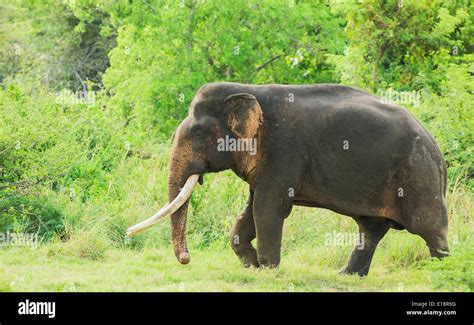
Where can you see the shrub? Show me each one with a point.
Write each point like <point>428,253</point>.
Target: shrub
<point>32,216</point>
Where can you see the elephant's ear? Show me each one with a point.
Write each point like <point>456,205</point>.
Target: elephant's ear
<point>245,115</point>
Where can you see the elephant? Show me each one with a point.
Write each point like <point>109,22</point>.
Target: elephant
<point>323,145</point>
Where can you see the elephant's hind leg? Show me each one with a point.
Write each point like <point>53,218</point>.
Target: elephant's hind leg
<point>371,230</point>
<point>242,234</point>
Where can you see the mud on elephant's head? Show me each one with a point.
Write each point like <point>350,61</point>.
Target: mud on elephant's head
<point>222,131</point>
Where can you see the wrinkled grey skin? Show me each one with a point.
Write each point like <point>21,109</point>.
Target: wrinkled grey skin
<point>325,146</point>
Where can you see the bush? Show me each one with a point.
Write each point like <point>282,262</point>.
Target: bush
<point>90,244</point>
<point>32,216</point>
<point>450,116</point>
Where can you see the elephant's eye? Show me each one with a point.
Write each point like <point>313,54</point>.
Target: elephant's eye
<point>197,131</point>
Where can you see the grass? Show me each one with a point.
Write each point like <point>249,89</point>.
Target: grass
<point>90,262</point>
<point>24,269</point>
<point>93,256</point>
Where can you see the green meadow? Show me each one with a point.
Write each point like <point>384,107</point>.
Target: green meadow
<point>92,91</point>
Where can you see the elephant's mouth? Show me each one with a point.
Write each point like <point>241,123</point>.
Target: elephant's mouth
<point>206,170</point>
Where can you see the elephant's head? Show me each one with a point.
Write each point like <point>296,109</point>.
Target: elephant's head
<point>220,132</point>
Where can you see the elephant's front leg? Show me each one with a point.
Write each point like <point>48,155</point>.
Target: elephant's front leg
<point>270,209</point>
<point>242,234</point>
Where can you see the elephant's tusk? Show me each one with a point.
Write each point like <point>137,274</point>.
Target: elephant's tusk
<point>169,208</point>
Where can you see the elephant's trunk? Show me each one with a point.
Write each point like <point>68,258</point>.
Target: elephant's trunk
<point>180,186</point>
<point>178,218</point>
<point>185,171</point>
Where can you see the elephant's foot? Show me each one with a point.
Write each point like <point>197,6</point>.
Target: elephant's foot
<point>268,262</point>
<point>247,254</point>
<point>349,270</point>
<point>248,257</point>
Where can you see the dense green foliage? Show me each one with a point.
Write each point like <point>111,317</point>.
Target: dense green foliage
<point>91,92</point>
